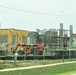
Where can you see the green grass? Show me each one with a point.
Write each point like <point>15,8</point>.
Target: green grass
<point>69,73</point>
<point>53,70</point>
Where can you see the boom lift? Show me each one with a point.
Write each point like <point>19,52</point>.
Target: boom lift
<point>35,49</point>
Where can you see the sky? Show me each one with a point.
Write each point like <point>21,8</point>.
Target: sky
<point>37,14</point>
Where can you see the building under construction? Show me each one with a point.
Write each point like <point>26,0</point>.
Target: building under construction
<point>54,38</point>
<point>56,42</point>
<point>11,37</point>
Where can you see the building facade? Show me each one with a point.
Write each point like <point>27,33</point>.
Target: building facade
<point>11,37</point>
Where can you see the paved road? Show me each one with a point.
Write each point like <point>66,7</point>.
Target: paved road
<point>22,68</point>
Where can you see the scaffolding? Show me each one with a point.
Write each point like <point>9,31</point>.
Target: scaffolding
<point>61,39</point>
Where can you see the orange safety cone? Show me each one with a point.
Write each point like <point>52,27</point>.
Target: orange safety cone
<point>62,59</point>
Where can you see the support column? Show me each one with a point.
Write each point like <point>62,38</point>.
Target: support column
<point>20,37</point>
<point>9,42</point>
<point>71,36</point>
<point>61,36</point>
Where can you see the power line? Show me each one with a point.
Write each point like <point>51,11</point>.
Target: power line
<point>32,11</point>
<point>27,11</point>
<point>62,13</point>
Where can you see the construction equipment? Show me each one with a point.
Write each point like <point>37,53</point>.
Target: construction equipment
<point>35,49</point>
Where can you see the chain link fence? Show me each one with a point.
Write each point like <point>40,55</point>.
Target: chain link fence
<point>47,54</point>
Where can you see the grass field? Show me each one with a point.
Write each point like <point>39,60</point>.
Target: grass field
<point>53,70</point>
<point>66,69</point>
<point>68,73</point>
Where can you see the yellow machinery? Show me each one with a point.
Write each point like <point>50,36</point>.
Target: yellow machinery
<point>10,32</point>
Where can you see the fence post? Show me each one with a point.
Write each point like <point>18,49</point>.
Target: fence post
<point>15,58</point>
<point>69,54</point>
<point>44,54</point>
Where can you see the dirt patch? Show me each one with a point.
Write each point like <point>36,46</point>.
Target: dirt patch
<point>10,64</point>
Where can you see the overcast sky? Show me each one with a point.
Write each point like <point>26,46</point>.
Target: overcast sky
<point>37,14</point>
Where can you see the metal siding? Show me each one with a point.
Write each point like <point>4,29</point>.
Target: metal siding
<point>24,39</point>
<point>14,39</point>
<point>32,36</point>
<point>4,38</point>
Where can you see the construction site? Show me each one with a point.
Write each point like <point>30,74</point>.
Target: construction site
<point>39,44</point>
